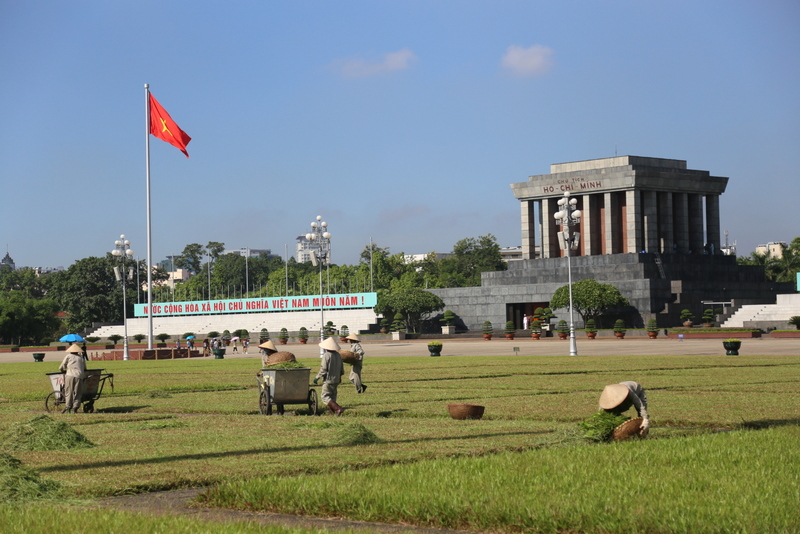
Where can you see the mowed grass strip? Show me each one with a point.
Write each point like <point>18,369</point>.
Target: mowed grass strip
<point>742,481</point>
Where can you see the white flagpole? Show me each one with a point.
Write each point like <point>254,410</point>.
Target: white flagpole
<point>149,244</point>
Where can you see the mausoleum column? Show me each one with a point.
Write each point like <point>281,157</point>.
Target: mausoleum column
<point>528,229</point>
<point>712,223</point>
<point>665,223</point>
<point>588,225</point>
<point>633,221</point>
<point>680,203</point>
<point>696,230</point>
<point>550,248</point>
<point>650,220</point>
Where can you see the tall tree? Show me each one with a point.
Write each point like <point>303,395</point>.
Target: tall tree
<point>469,259</point>
<point>89,292</point>
<point>589,297</point>
<point>191,257</point>
<point>413,303</point>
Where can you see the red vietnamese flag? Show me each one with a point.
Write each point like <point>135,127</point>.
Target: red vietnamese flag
<point>163,127</point>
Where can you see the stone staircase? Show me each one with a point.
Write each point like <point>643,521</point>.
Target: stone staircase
<point>766,316</point>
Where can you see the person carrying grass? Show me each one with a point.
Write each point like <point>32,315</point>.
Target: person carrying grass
<point>355,371</point>
<point>331,370</point>
<point>618,398</point>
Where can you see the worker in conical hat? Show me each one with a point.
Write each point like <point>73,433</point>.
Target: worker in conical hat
<point>355,370</point>
<point>618,398</point>
<point>74,369</point>
<point>331,370</point>
<point>267,348</point>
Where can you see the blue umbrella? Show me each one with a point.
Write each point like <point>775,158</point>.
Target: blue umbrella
<point>189,337</point>
<point>71,338</point>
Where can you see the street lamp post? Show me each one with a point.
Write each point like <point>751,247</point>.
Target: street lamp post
<point>569,215</point>
<point>122,250</point>
<point>320,243</point>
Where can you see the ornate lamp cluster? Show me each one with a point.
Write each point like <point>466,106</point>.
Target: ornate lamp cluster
<point>569,215</point>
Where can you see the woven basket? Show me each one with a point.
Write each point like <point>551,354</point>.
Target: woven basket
<point>627,430</point>
<point>465,411</point>
<point>348,356</point>
<point>279,357</point>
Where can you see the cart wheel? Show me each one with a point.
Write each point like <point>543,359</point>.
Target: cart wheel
<point>264,407</point>
<point>312,401</point>
<point>52,403</point>
<point>88,407</point>
<point>280,409</point>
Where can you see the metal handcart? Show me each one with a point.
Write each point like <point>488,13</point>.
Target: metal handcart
<point>93,385</point>
<point>285,386</point>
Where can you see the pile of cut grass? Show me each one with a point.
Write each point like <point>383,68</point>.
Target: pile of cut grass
<point>354,434</point>
<point>42,433</point>
<point>19,483</point>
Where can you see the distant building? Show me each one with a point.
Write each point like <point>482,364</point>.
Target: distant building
<point>251,252</point>
<point>304,248</point>
<point>8,262</point>
<point>773,248</point>
<point>413,258</point>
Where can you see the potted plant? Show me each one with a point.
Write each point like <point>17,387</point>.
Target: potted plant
<point>302,335</point>
<point>386,324</point>
<point>343,333</point>
<point>536,328</point>
<point>114,339</point>
<point>162,337</point>
<point>652,329</point>
<point>591,329</point>
<point>283,337</point>
<point>226,337</point>
<point>138,337</point>
<point>619,328</point>
<point>398,327</point>
<point>95,339</point>
<point>795,321</point>
<point>510,330</point>
<point>732,346</point>
<point>547,317</point>
<point>563,329</point>
<point>708,318</point>
<point>263,336</point>
<point>330,328</point>
<point>487,330</point>
<point>449,320</point>
<point>686,318</point>
<point>435,348</point>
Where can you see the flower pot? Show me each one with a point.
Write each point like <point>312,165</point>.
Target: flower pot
<point>303,340</point>
<point>619,335</point>
<point>536,335</point>
<point>435,350</point>
<point>591,335</point>
<point>448,330</point>
<point>652,335</point>
<point>510,336</point>
<point>38,356</point>
<point>687,324</point>
<point>219,354</point>
<point>732,347</point>
<point>563,335</point>
<point>465,411</point>
<point>487,337</point>
<point>283,341</point>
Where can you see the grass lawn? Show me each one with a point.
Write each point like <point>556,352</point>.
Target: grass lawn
<point>184,423</point>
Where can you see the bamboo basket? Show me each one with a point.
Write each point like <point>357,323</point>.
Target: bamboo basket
<point>280,357</point>
<point>627,430</point>
<point>348,356</point>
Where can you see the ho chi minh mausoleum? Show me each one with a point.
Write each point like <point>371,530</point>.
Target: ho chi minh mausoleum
<point>649,226</point>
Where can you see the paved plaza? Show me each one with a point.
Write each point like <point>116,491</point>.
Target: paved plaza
<point>522,346</point>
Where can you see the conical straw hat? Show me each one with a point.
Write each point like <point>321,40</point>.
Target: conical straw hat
<point>354,337</point>
<point>75,348</point>
<point>268,344</point>
<point>613,395</point>
<point>330,344</point>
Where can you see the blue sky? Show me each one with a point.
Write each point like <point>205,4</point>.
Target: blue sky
<point>404,122</point>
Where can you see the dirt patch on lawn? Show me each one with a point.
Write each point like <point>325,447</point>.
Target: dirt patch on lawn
<point>177,503</point>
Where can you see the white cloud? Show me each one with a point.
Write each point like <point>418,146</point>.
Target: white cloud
<point>532,61</point>
<point>359,68</point>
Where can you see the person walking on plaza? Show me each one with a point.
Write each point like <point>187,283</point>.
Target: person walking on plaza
<point>245,345</point>
<point>206,348</point>
<point>74,367</point>
<point>331,370</point>
<point>355,370</point>
<point>618,398</point>
<point>235,346</point>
